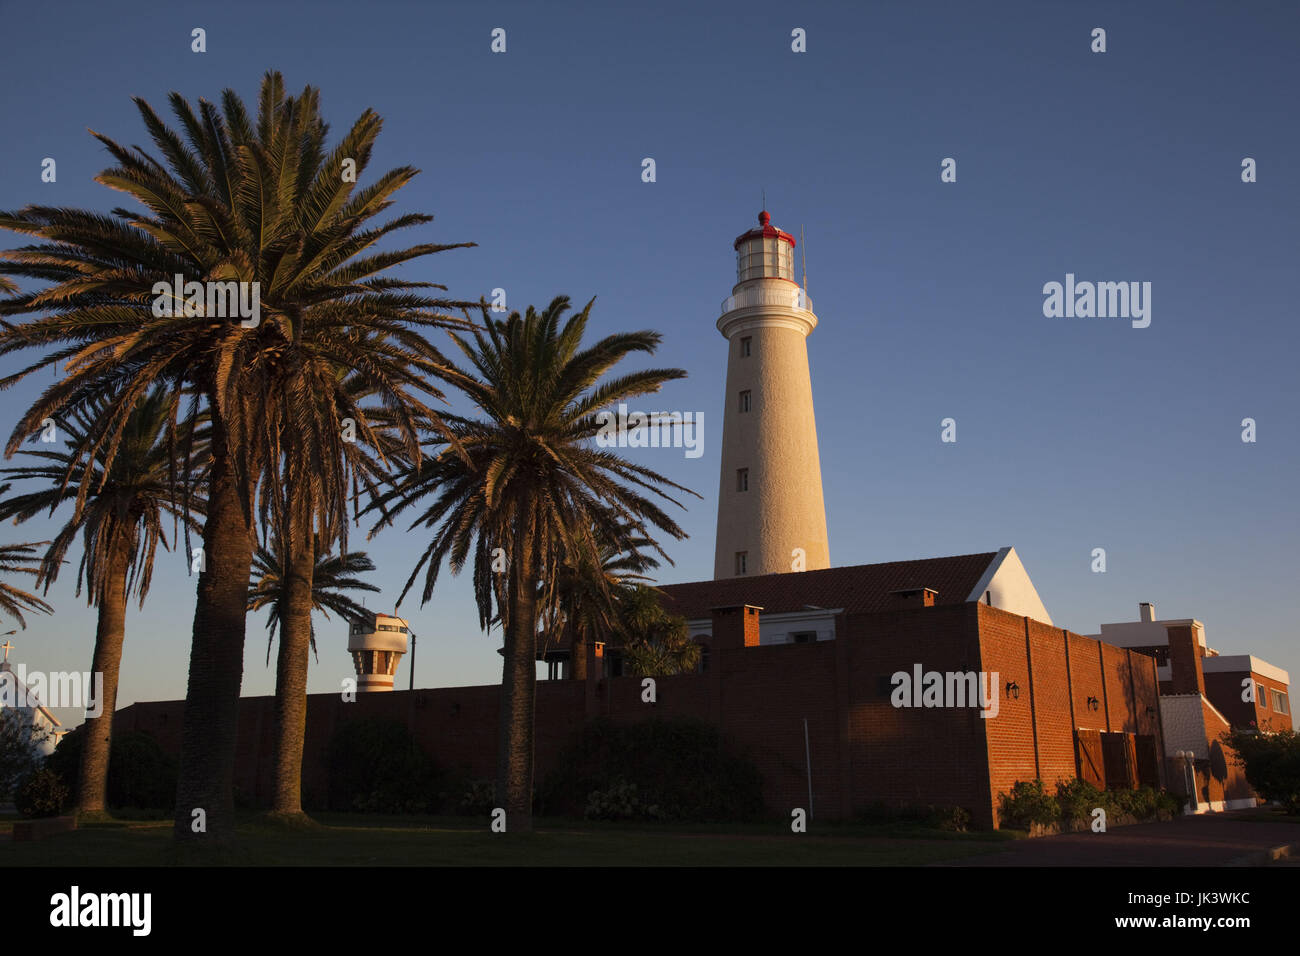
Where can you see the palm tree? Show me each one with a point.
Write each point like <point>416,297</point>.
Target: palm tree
<point>526,479</point>
<point>19,559</point>
<point>332,577</point>
<point>121,527</point>
<point>587,589</point>
<point>654,642</point>
<point>262,203</point>
<point>273,588</point>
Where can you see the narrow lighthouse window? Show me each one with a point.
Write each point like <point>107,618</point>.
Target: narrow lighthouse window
<point>742,479</point>
<point>746,343</point>
<point>744,400</point>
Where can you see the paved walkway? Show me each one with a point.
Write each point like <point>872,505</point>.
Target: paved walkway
<point>1212,839</point>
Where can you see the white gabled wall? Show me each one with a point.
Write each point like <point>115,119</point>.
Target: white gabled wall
<point>1007,583</point>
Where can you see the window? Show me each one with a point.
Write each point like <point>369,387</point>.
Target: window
<point>1261,695</point>
<point>740,561</point>
<point>746,345</point>
<point>1280,702</point>
<point>742,479</point>
<point>803,637</point>
<point>744,400</point>
<point>704,659</point>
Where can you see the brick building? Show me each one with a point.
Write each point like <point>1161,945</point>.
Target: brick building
<point>816,653</point>
<point>1202,695</point>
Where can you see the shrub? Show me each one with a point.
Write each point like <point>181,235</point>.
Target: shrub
<point>478,798</point>
<point>141,774</point>
<point>41,794</point>
<point>954,819</point>
<point>1077,799</point>
<point>681,767</point>
<point>1271,762</point>
<point>1028,803</point>
<point>19,753</point>
<point>620,802</point>
<point>375,766</point>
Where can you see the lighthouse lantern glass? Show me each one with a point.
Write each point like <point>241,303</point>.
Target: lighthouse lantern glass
<point>764,257</point>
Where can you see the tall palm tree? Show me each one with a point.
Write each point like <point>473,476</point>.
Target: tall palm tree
<point>260,202</point>
<point>121,527</point>
<point>527,479</point>
<point>273,588</point>
<point>588,588</point>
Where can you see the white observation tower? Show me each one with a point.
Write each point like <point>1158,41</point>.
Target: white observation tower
<point>377,642</point>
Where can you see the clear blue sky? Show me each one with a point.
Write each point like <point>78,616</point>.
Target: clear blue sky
<point>1073,434</point>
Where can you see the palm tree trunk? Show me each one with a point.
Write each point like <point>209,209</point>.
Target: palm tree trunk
<point>211,720</point>
<point>518,692</point>
<point>577,656</point>
<point>291,676</point>
<point>110,633</point>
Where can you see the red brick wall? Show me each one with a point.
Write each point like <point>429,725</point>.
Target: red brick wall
<point>1185,653</point>
<point>1224,691</point>
<point>1086,680</point>
<point>1219,778</point>
<point>1051,702</point>
<point>1025,744</point>
<point>863,749</point>
<point>914,755</point>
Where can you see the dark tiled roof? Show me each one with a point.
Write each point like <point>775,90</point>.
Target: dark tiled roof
<point>863,587</point>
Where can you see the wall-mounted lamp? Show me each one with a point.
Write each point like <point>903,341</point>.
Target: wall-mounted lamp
<point>1013,690</point>
<point>1093,703</point>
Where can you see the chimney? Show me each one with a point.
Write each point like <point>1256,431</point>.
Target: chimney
<point>735,626</point>
<point>1185,652</point>
<point>1146,612</point>
<point>913,597</point>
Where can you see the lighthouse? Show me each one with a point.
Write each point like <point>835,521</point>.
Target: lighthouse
<point>771,516</point>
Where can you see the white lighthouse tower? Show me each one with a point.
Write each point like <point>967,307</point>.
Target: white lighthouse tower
<point>771,517</point>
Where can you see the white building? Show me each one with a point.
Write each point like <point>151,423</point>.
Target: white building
<point>17,698</point>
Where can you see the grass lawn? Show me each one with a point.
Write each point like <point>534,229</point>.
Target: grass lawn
<point>358,840</point>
